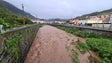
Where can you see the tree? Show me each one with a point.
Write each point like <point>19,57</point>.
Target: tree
<point>24,20</point>
<point>67,21</point>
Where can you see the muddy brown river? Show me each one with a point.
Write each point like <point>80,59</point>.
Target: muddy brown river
<point>50,45</point>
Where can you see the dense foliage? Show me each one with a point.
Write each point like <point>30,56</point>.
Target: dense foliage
<point>101,45</point>
<point>10,20</point>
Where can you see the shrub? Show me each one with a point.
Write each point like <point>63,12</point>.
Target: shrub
<point>102,46</point>
<point>24,20</point>
<point>83,47</point>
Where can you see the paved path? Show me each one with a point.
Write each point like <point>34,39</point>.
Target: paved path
<point>50,46</point>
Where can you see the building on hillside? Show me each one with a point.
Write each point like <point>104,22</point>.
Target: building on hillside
<point>83,22</point>
<point>75,21</point>
<point>102,16</point>
<point>92,21</point>
<point>38,21</point>
<point>99,19</point>
<point>59,22</point>
<point>105,20</point>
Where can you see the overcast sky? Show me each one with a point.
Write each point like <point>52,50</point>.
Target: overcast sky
<point>62,8</point>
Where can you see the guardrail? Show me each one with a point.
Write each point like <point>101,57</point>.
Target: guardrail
<point>14,44</point>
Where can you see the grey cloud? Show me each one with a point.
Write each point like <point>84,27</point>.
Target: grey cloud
<point>62,8</point>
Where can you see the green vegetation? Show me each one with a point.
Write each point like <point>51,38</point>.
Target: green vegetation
<point>67,21</point>
<point>15,10</point>
<point>5,24</point>
<point>14,45</point>
<point>79,33</point>
<point>75,57</point>
<point>101,45</point>
<point>83,47</point>
<point>10,20</point>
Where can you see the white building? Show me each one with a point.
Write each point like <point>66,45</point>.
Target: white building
<point>83,22</point>
<point>38,21</point>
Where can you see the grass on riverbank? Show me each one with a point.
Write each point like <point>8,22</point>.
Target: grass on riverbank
<point>99,44</point>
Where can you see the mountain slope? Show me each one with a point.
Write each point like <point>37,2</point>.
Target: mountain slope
<point>15,10</point>
<point>9,20</point>
<point>105,12</point>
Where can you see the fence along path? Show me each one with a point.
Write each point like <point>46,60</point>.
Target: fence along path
<point>15,52</point>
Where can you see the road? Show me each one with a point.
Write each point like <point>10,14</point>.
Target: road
<point>50,45</point>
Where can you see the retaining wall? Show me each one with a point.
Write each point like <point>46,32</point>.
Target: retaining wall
<point>98,31</point>
<point>24,36</point>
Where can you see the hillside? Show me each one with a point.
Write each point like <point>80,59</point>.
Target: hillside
<point>105,12</point>
<point>15,10</point>
<point>9,19</point>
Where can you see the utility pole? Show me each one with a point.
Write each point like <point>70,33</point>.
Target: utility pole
<point>23,13</point>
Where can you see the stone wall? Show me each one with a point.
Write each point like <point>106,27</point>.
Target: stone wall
<point>26,34</point>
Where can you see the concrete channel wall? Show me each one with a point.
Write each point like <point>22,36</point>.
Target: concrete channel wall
<point>99,31</point>
<point>103,26</point>
<point>7,54</point>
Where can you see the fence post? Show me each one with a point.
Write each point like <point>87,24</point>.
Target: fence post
<point>110,26</point>
<point>103,25</point>
<point>2,47</point>
<point>1,26</point>
<point>97,25</point>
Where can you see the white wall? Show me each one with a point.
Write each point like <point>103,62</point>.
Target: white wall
<point>82,22</point>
